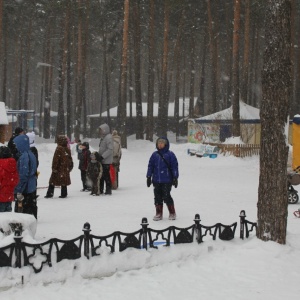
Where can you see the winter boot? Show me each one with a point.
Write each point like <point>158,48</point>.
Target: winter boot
<point>29,204</point>
<point>50,191</point>
<point>107,192</point>
<point>64,192</point>
<point>172,215</point>
<point>159,213</point>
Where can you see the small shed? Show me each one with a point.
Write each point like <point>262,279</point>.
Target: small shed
<point>215,128</point>
<point>4,124</point>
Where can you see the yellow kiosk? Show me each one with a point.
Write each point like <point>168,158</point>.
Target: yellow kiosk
<point>296,142</point>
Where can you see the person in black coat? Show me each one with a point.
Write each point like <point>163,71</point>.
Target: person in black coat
<point>11,145</point>
<point>84,156</point>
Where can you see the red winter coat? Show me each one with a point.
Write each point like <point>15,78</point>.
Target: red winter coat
<point>9,178</point>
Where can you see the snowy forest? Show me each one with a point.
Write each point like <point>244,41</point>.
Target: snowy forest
<point>84,57</point>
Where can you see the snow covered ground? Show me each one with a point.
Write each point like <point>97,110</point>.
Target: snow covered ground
<point>218,189</point>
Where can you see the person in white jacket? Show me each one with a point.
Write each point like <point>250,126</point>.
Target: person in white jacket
<point>106,147</point>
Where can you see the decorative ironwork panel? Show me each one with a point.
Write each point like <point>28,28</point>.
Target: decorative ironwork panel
<point>6,259</point>
<point>107,242</point>
<point>38,258</point>
<point>183,237</point>
<point>130,241</point>
<point>226,232</point>
<point>69,250</point>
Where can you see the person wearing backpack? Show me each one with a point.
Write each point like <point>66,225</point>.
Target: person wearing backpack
<point>94,173</point>
<point>117,154</point>
<point>11,145</point>
<point>163,173</point>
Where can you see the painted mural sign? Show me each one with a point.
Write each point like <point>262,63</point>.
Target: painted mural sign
<point>199,133</point>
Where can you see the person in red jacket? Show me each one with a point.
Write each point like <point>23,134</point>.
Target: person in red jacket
<point>9,178</point>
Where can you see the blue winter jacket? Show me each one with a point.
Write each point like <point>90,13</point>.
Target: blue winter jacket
<point>157,167</point>
<point>27,166</point>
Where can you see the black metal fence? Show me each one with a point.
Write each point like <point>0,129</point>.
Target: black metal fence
<point>20,254</point>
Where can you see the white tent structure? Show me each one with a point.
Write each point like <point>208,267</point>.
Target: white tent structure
<point>3,123</point>
<point>3,114</point>
<point>215,128</point>
<point>247,112</point>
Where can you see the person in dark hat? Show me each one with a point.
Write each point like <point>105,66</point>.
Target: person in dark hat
<point>84,157</point>
<point>11,145</point>
<point>19,130</point>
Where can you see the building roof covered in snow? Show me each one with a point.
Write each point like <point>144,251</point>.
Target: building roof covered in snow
<point>3,115</point>
<point>183,109</point>
<point>247,112</point>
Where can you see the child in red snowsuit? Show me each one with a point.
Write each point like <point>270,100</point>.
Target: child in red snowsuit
<point>9,178</point>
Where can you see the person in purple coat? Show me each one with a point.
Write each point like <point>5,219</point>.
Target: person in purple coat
<point>163,173</point>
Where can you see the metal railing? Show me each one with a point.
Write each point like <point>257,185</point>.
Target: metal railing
<point>19,253</point>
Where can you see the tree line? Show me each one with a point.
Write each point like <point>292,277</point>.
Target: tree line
<point>83,57</point>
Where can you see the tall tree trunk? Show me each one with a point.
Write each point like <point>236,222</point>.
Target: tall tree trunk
<point>27,64</point>
<point>60,126</point>
<point>276,89</point>
<point>163,101</point>
<point>79,74</point>
<point>84,65</point>
<point>124,70</point>
<point>137,70</point>
<point>235,70</point>
<point>192,78</point>
<point>245,89</point>
<point>107,79</point>
<point>1,26</point>
<point>2,53</point>
<point>42,101</point>
<point>4,82</point>
<point>20,77</point>
<point>294,59</point>
<point>213,55</point>
<point>48,79</point>
<point>151,74</point>
<point>201,101</point>
<point>177,57</point>
<point>68,71</point>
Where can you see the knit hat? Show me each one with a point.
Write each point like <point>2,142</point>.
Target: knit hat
<point>115,132</point>
<point>5,152</point>
<point>31,136</point>
<point>93,156</point>
<point>86,145</point>
<point>18,130</point>
<point>62,140</point>
<point>161,140</point>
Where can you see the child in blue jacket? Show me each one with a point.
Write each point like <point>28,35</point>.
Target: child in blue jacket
<point>163,173</point>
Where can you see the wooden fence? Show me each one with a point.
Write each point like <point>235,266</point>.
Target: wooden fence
<point>238,150</point>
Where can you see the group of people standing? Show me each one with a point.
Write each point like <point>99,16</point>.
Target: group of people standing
<point>95,167</point>
<point>19,162</point>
